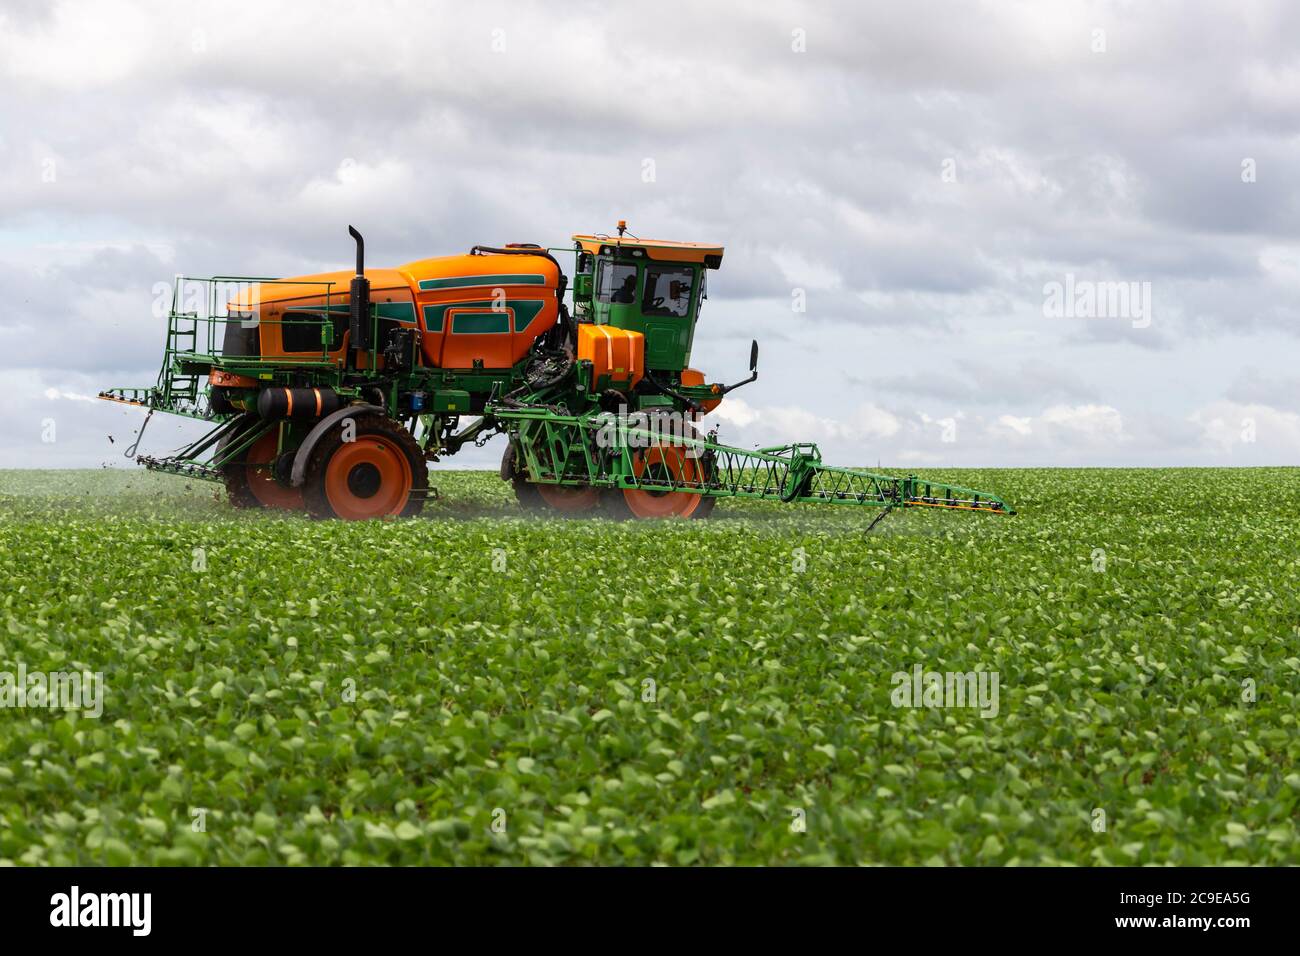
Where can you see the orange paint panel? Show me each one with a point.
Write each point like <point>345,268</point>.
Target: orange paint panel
<point>478,275</point>
<point>658,249</point>
<point>462,349</point>
<point>462,285</point>
<point>230,379</point>
<point>693,377</point>
<point>314,287</point>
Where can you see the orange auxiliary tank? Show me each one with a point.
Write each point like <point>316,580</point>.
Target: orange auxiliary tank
<point>613,352</point>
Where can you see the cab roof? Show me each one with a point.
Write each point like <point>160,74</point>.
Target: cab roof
<point>660,249</point>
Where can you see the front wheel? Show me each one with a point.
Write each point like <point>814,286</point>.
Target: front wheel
<point>669,465</point>
<point>380,473</point>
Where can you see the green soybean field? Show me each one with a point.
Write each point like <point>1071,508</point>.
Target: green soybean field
<point>771,686</point>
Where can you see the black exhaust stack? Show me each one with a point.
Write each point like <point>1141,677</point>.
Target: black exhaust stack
<point>359,324</point>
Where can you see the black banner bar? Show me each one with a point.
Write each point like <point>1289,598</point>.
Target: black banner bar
<point>1218,906</point>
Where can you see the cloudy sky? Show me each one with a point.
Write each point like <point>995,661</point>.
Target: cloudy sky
<point>928,208</point>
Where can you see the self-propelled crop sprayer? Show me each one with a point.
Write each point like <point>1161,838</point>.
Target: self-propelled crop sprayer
<point>331,392</point>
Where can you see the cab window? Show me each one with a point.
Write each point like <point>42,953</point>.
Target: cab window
<point>241,338</point>
<point>300,331</point>
<point>668,291</point>
<point>616,282</point>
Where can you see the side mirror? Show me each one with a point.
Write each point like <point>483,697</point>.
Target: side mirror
<point>753,369</point>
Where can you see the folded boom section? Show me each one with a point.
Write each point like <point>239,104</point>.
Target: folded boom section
<point>564,449</point>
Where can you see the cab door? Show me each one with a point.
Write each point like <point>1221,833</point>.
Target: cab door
<point>657,299</point>
<point>668,310</point>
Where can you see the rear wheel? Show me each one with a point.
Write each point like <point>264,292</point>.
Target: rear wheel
<point>525,491</point>
<point>250,480</point>
<point>569,499</point>
<point>663,463</point>
<point>566,499</point>
<point>380,473</point>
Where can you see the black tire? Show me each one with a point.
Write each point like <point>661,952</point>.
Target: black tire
<point>235,472</point>
<point>394,437</point>
<point>710,467</point>
<point>705,509</point>
<point>614,506</point>
<point>526,493</point>
<point>219,400</point>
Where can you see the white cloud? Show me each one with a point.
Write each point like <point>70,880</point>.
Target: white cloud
<point>736,411</point>
<point>1094,421</point>
<point>1021,425</point>
<point>1281,264</point>
<point>1238,431</point>
<point>181,145</point>
<point>74,52</point>
<point>791,423</point>
<point>872,421</point>
<point>801,273</point>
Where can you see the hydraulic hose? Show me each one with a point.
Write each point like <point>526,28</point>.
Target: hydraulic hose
<point>663,389</point>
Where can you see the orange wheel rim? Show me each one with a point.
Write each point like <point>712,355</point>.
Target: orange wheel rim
<point>570,499</point>
<point>663,461</point>
<point>261,483</point>
<point>368,478</point>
